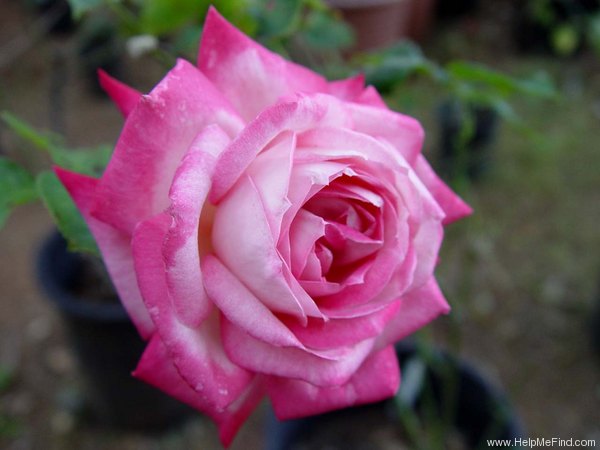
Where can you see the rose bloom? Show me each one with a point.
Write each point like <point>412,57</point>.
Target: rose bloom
<point>269,233</point>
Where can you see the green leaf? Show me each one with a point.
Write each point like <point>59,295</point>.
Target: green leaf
<point>89,161</point>
<point>16,187</point>
<point>323,31</point>
<point>593,32</point>
<point>388,67</point>
<point>42,141</point>
<point>160,17</point>
<point>281,18</point>
<point>7,377</point>
<point>504,85</point>
<point>81,7</point>
<point>65,214</point>
<point>565,39</point>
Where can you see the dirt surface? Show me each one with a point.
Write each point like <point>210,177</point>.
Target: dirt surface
<point>522,274</point>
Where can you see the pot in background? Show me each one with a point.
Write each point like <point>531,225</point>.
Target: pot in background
<point>376,23</point>
<point>105,344</point>
<point>481,412</point>
<point>422,19</point>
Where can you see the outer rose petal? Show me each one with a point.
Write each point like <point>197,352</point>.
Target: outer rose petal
<point>377,379</point>
<point>371,97</point>
<point>250,76</point>
<point>124,96</point>
<point>114,246</point>
<point>417,309</point>
<point>342,332</point>
<point>293,362</point>
<point>182,256</point>
<point>454,207</point>
<point>349,89</point>
<point>156,368</point>
<point>196,352</point>
<point>157,133</point>
<point>298,114</point>
<point>403,132</point>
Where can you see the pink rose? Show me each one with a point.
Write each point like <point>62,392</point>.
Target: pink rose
<point>269,232</point>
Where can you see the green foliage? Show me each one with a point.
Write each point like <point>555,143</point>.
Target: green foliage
<point>569,23</point>
<point>158,17</point>
<point>322,32</point>
<point>593,32</point>
<point>388,67</point>
<point>7,377</point>
<point>65,214</point>
<point>18,186</point>
<point>89,161</point>
<point>81,7</point>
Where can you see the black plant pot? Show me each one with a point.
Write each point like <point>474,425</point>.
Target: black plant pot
<point>481,412</point>
<point>106,347</point>
<point>470,157</point>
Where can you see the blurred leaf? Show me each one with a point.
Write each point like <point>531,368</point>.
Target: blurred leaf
<point>65,214</point>
<point>323,31</point>
<point>413,379</point>
<point>387,67</point>
<point>7,377</point>
<point>16,187</point>
<point>502,84</point>
<point>43,141</point>
<point>186,41</point>
<point>10,427</point>
<point>81,7</point>
<point>539,85</point>
<point>593,32</point>
<point>89,161</point>
<point>565,39</point>
<point>542,12</point>
<point>159,17</point>
<point>278,18</point>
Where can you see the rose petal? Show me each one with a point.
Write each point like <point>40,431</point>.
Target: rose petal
<point>322,335</point>
<point>157,133</point>
<point>304,232</point>
<point>157,369</point>
<point>188,194</point>
<point>371,97</point>
<point>403,132</point>
<point>196,352</point>
<point>125,97</point>
<point>115,248</point>
<point>417,309</point>
<point>241,307</point>
<point>332,368</point>
<point>454,207</point>
<point>349,89</point>
<point>377,379</point>
<point>250,76</point>
<point>298,114</point>
<point>270,172</point>
<point>251,255</point>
